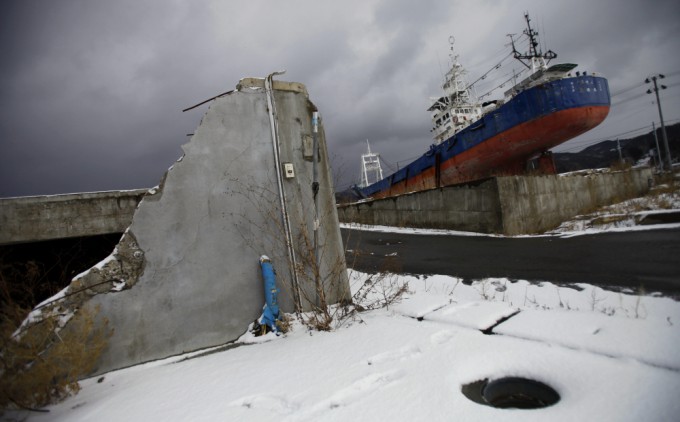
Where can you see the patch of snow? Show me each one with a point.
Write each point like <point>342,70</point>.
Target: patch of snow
<point>118,286</point>
<point>60,295</point>
<point>480,315</point>
<point>100,264</point>
<point>589,231</point>
<point>406,230</point>
<point>610,356</point>
<point>655,340</point>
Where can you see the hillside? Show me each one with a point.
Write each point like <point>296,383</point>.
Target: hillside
<point>605,153</point>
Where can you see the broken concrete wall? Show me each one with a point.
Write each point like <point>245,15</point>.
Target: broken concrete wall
<point>186,274</point>
<point>512,205</point>
<point>540,203</point>
<point>468,207</point>
<point>38,218</point>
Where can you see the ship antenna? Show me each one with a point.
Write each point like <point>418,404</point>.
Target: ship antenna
<point>452,55</point>
<point>535,56</point>
<point>515,53</point>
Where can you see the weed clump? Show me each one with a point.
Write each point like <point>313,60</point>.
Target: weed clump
<point>41,356</point>
<point>621,165</point>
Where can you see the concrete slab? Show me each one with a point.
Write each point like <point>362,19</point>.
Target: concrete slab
<point>49,217</point>
<point>186,274</point>
<point>599,333</point>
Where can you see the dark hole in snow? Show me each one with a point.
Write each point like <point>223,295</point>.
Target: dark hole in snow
<point>511,392</point>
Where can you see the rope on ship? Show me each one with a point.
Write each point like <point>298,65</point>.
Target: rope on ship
<point>513,74</point>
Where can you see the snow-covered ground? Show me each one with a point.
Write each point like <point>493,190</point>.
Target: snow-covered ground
<point>610,356</point>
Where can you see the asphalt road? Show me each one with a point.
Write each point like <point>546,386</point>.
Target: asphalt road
<point>648,259</point>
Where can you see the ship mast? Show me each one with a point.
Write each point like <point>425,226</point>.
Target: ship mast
<point>458,107</point>
<point>455,86</point>
<point>371,171</point>
<point>537,59</point>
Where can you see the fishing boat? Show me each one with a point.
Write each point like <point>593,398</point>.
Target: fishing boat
<point>473,140</point>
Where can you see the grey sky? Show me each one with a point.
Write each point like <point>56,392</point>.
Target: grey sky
<point>91,91</point>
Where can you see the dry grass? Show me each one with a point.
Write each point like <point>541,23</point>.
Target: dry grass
<point>41,360</point>
<point>621,165</point>
<point>665,186</point>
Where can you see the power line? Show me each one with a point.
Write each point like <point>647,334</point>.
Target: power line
<point>635,97</point>
<point>630,88</point>
<point>639,85</point>
<point>673,73</point>
<point>672,85</point>
<point>657,88</point>
<point>586,143</point>
<point>389,166</point>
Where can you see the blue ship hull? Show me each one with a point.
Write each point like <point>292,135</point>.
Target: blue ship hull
<point>503,140</point>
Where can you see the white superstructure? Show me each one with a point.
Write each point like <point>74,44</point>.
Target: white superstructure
<point>458,107</point>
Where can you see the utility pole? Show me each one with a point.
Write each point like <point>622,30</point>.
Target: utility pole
<point>663,127</point>
<point>658,150</point>
<point>618,146</point>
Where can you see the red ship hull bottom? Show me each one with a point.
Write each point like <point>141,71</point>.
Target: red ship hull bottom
<point>507,153</point>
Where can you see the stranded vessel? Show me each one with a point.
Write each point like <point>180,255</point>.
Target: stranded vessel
<point>475,140</point>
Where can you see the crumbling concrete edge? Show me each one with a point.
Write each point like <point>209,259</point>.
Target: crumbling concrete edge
<point>118,272</point>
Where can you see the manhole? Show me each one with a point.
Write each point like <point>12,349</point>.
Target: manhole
<point>511,392</point>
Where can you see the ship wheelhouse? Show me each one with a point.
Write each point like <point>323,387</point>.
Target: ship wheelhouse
<point>457,108</point>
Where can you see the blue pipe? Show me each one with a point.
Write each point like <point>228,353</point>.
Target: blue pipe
<point>270,311</point>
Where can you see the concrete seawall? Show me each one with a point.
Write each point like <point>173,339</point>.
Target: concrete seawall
<point>38,218</point>
<point>506,205</point>
<point>469,207</point>
<point>254,180</point>
<point>537,204</point>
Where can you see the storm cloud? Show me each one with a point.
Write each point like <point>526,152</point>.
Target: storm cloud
<point>91,92</point>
